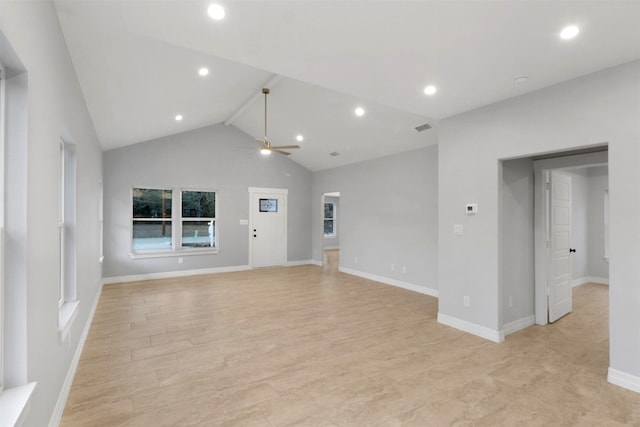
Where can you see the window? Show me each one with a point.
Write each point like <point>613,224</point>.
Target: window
<point>167,220</point>
<point>67,291</point>
<point>152,222</point>
<point>67,223</point>
<point>198,219</point>
<point>329,219</point>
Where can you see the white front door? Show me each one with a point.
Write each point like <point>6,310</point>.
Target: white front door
<point>268,227</point>
<point>559,282</point>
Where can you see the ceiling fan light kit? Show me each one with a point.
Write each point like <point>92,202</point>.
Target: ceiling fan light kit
<point>265,145</point>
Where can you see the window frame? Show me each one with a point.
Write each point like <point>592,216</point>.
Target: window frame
<point>176,219</point>
<point>332,219</point>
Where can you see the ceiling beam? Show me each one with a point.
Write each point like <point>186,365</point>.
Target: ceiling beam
<point>271,83</point>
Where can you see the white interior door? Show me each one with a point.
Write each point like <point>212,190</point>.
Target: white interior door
<point>268,227</point>
<point>560,293</point>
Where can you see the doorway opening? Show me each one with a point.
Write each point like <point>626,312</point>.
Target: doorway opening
<point>526,241</point>
<point>331,229</point>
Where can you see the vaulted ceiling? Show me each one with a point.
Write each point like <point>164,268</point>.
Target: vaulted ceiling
<point>137,62</point>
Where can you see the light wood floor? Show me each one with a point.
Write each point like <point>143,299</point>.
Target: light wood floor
<point>308,346</point>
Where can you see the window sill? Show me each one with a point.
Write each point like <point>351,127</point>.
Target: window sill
<point>14,405</point>
<point>66,316</point>
<point>184,252</point>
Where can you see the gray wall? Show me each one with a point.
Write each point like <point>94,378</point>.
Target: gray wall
<point>517,239</point>
<point>56,109</point>
<point>219,158</point>
<point>333,242</point>
<point>388,215</point>
<point>548,120</point>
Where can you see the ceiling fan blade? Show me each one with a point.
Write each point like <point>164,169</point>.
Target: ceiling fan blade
<point>287,146</point>
<point>280,151</point>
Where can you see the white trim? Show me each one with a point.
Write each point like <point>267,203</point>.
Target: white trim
<point>172,274</point>
<point>589,279</point>
<point>316,262</point>
<point>518,324</point>
<point>472,328</point>
<point>14,405</point>
<point>66,315</point>
<point>268,190</point>
<point>66,387</point>
<point>171,253</point>
<point>393,282</point>
<point>329,248</point>
<point>622,379</point>
<point>301,262</point>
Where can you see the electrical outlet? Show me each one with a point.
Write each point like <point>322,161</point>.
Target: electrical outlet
<point>393,267</point>
<point>180,260</point>
<point>355,260</point>
<point>404,268</point>
<point>466,301</point>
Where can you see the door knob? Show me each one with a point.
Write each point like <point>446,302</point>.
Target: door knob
<point>571,250</point>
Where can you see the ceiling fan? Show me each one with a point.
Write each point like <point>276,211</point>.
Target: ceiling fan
<point>266,147</point>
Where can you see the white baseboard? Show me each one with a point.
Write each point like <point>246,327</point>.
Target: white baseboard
<point>472,328</point>
<point>295,263</point>
<point>589,279</point>
<point>172,274</point>
<point>622,379</point>
<point>330,248</point>
<point>316,262</point>
<point>392,282</point>
<point>68,381</point>
<point>519,324</point>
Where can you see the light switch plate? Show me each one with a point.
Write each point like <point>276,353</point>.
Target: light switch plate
<point>458,229</point>
<point>244,222</point>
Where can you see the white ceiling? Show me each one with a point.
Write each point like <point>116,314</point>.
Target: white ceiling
<point>137,63</point>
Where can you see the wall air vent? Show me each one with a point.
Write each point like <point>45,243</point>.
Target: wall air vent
<point>335,153</point>
<point>423,127</point>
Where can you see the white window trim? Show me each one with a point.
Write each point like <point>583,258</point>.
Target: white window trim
<point>176,249</point>
<point>14,401</point>
<point>14,404</point>
<point>334,219</point>
<point>67,302</point>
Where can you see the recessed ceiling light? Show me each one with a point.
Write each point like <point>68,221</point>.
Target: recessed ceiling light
<point>359,111</point>
<point>203,71</point>
<point>569,32</point>
<point>178,117</point>
<point>430,90</point>
<point>299,138</point>
<point>216,11</point>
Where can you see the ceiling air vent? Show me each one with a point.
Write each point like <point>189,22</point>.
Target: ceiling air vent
<point>335,153</point>
<point>423,127</point>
